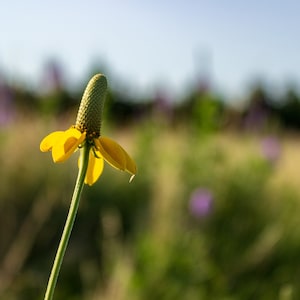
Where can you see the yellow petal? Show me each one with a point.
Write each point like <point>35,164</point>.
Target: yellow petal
<point>94,169</point>
<point>116,156</point>
<point>50,140</point>
<point>67,144</point>
<point>130,164</point>
<point>112,152</point>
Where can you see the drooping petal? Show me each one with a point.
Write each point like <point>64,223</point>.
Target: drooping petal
<point>115,155</point>
<point>67,144</point>
<point>112,152</point>
<point>50,140</point>
<point>95,168</point>
<point>130,164</point>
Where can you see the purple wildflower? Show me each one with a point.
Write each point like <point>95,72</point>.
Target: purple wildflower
<point>6,103</point>
<point>270,149</point>
<point>201,201</point>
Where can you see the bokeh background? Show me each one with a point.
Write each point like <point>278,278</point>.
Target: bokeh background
<point>205,97</point>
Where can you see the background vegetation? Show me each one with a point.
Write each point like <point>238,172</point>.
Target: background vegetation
<point>212,214</point>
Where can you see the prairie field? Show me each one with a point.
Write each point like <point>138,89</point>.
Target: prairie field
<point>210,215</point>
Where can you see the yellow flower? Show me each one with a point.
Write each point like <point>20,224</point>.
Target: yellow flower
<point>64,143</point>
<point>86,132</point>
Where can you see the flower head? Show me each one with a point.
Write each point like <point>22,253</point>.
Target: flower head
<point>271,149</point>
<point>86,132</point>
<point>201,202</point>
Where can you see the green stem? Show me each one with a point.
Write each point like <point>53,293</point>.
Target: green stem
<point>69,222</point>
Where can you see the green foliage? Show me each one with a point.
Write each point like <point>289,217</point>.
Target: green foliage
<point>206,113</point>
<point>142,240</point>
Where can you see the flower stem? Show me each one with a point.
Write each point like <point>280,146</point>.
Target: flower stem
<point>69,222</point>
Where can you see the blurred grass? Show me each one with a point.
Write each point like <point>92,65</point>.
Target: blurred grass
<point>141,240</point>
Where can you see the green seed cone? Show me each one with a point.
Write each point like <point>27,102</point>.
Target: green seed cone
<point>90,110</point>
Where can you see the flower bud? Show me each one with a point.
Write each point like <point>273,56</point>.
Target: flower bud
<point>89,115</point>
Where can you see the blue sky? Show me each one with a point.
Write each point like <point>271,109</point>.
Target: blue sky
<point>152,43</point>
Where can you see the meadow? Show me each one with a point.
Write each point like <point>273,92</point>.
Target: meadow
<point>213,213</point>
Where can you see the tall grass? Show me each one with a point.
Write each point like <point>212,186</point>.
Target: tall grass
<point>146,240</point>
